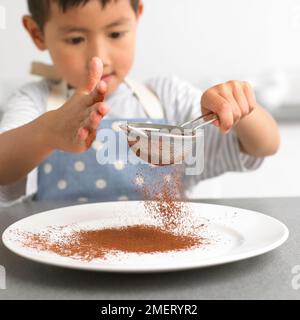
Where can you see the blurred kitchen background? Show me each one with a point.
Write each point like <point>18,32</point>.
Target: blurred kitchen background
<point>205,42</point>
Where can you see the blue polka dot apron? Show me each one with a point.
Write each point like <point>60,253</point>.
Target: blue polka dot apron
<point>80,177</point>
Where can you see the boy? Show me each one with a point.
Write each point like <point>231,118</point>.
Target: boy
<point>91,43</point>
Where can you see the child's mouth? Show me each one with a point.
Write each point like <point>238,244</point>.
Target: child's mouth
<point>107,77</point>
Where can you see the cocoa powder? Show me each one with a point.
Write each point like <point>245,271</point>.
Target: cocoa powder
<point>164,198</point>
<point>158,155</point>
<point>88,245</point>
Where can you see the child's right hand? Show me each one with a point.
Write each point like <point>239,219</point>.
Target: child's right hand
<point>73,127</point>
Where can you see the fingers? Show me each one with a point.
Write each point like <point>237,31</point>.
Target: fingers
<point>97,113</point>
<point>88,98</point>
<point>95,73</point>
<point>226,117</point>
<point>90,139</point>
<point>100,108</point>
<point>92,120</point>
<point>98,94</point>
<point>214,102</point>
<point>231,101</point>
<point>250,96</point>
<point>82,134</point>
<point>241,100</point>
<point>86,137</point>
<point>235,107</point>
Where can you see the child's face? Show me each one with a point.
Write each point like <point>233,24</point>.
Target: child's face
<point>83,32</point>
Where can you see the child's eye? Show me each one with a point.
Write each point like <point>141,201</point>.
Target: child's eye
<point>75,41</point>
<point>117,35</point>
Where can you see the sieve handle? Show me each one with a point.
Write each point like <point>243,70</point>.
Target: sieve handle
<point>199,118</point>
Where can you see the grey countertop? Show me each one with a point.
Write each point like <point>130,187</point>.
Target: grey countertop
<point>265,277</point>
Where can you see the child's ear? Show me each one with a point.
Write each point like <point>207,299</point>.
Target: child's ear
<point>140,9</point>
<point>34,31</point>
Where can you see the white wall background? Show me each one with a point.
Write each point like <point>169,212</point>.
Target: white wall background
<point>193,38</point>
<point>203,41</point>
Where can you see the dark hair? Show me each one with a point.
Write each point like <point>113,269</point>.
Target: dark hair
<point>39,9</point>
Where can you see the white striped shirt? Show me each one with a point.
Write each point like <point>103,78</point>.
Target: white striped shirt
<point>180,102</point>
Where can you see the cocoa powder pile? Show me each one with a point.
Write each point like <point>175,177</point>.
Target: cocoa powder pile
<point>88,245</point>
<point>172,232</point>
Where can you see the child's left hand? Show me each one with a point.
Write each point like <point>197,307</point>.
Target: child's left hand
<point>230,101</point>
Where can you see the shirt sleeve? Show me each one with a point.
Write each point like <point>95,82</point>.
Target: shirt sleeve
<point>222,154</point>
<point>181,102</point>
<point>179,99</point>
<point>25,105</point>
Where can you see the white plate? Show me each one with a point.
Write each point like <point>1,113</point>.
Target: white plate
<point>235,234</point>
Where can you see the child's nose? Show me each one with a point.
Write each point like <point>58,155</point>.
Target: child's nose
<point>102,52</point>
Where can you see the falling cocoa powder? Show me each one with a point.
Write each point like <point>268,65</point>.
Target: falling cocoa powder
<point>163,198</point>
